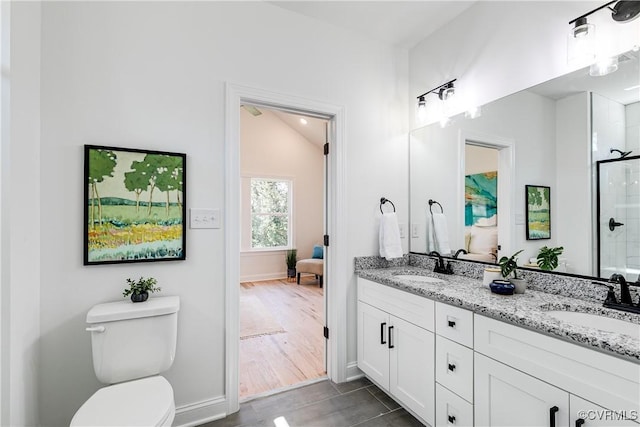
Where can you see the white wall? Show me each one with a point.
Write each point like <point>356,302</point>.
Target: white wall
<point>573,208</point>
<point>271,148</point>
<point>20,213</point>
<point>152,75</point>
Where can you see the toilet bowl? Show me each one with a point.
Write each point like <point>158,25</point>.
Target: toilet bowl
<point>144,402</point>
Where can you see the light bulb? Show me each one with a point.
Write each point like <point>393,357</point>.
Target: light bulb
<point>581,43</point>
<point>422,109</point>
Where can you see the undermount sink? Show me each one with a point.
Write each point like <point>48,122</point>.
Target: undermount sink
<point>416,278</point>
<point>595,321</point>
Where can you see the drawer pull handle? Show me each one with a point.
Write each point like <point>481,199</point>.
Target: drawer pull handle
<point>452,419</point>
<point>579,422</point>
<point>452,324</point>
<point>552,416</point>
<point>452,367</point>
<point>390,336</point>
<point>382,325</point>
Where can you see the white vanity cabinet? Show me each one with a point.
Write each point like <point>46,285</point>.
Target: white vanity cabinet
<point>454,366</point>
<point>507,397</point>
<point>396,345</point>
<point>524,378</point>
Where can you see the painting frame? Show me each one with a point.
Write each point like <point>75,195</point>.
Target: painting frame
<point>119,229</point>
<point>538,212</point>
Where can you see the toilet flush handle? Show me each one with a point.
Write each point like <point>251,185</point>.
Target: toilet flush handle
<point>95,329</point>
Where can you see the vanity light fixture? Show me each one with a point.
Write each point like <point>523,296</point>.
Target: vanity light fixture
<point>445,92</point>
<point>581,40</point>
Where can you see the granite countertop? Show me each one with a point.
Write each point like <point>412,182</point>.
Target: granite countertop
<point>527,310</point>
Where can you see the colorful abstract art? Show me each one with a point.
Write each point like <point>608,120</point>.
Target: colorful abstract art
<point>134,205</point>
<point>480,196</point>
<point>538,212</point>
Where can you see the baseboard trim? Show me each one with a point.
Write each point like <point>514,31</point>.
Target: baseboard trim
<point>265,276</point>
<point>202,412</point>
<point>353,373</point>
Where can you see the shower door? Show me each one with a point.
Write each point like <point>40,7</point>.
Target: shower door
<point>618,213</point>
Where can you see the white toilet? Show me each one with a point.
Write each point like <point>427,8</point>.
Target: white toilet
<point>132,343</point>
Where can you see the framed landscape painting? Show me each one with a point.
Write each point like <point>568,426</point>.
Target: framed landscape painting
<point>134,205</point>
<point>538,212</point>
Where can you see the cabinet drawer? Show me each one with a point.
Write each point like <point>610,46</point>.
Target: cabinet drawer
<point>596,416</point>
<point>404,305</point>
<point>608,380</point>
<point>454,323</point>
<point>451,409</point>
<point>454,367</point>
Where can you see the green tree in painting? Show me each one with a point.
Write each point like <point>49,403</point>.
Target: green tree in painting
<point>136,180</point>
<point>537,196</point>
<point>169,176</point>
<point>101,165</point>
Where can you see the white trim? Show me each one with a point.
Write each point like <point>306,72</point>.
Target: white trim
<point>353,372</point>
<point>336,264</point>
<point>201,412</point>
<point>264,276</point>
<point>506,187</point>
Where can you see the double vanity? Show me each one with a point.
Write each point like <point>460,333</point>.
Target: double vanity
<point>455,354</point>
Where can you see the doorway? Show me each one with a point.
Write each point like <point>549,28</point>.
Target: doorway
<point>335,256</point>
<point>484,146</point>
<point>283,180</point>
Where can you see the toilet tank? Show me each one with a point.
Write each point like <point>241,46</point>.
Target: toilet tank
<point>133,340</point>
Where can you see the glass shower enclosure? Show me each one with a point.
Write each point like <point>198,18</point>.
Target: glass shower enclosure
<point>618,213</point>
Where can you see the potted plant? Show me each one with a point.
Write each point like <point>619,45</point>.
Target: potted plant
<point>139,289</point>
<point>548,257</point>
<point>291,259</point>
<point>508,268</point>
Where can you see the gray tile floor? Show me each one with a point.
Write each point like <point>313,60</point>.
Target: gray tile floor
<point>356,403</point>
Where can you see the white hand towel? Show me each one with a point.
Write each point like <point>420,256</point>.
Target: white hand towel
<point>438,235</point>
<point>390,245</point>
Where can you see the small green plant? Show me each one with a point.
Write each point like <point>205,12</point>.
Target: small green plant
<point>140,286</point>
<point>509,265</point>
<point>548,257</point>
<point>291,258</point>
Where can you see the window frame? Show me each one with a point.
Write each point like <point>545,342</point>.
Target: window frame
<point>288,215</point>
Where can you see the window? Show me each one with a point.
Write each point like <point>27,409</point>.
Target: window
<point>270,213</point>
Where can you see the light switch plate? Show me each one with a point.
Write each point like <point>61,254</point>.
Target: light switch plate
<point>402,229</point>
<point>204,218</point>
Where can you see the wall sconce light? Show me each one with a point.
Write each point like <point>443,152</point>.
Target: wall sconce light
<point>581,41</point>
<point>445,92</point>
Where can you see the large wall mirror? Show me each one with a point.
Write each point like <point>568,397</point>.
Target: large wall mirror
<point>554,165</point>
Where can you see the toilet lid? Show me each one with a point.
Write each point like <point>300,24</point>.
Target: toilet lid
<point>145,402</point>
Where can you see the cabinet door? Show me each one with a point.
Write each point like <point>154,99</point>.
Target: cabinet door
<point>411,367</point>
<point>373,343</point>
<point>592,415</point>
<point>507,397</point>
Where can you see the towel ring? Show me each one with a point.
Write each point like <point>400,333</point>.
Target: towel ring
<point>431,203</point>
<point>383,201</point>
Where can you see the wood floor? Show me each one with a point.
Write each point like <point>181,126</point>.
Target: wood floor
<point>282,359</point>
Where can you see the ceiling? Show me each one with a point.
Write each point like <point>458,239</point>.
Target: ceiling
<point>399,23</point>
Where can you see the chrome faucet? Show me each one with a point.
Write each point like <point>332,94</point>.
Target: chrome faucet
<point>440,267</point>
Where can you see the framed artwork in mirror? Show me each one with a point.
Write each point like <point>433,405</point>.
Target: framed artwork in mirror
<point>538,200</point>
<point>134,205</point>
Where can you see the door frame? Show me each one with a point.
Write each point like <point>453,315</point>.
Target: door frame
<point>506,187</point>
<point>335,254</point>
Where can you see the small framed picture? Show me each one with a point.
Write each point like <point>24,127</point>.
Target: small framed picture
<point>134,205</point>
<point>538,199</point>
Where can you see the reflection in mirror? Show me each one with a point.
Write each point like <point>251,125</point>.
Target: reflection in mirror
<point>559,135</point>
